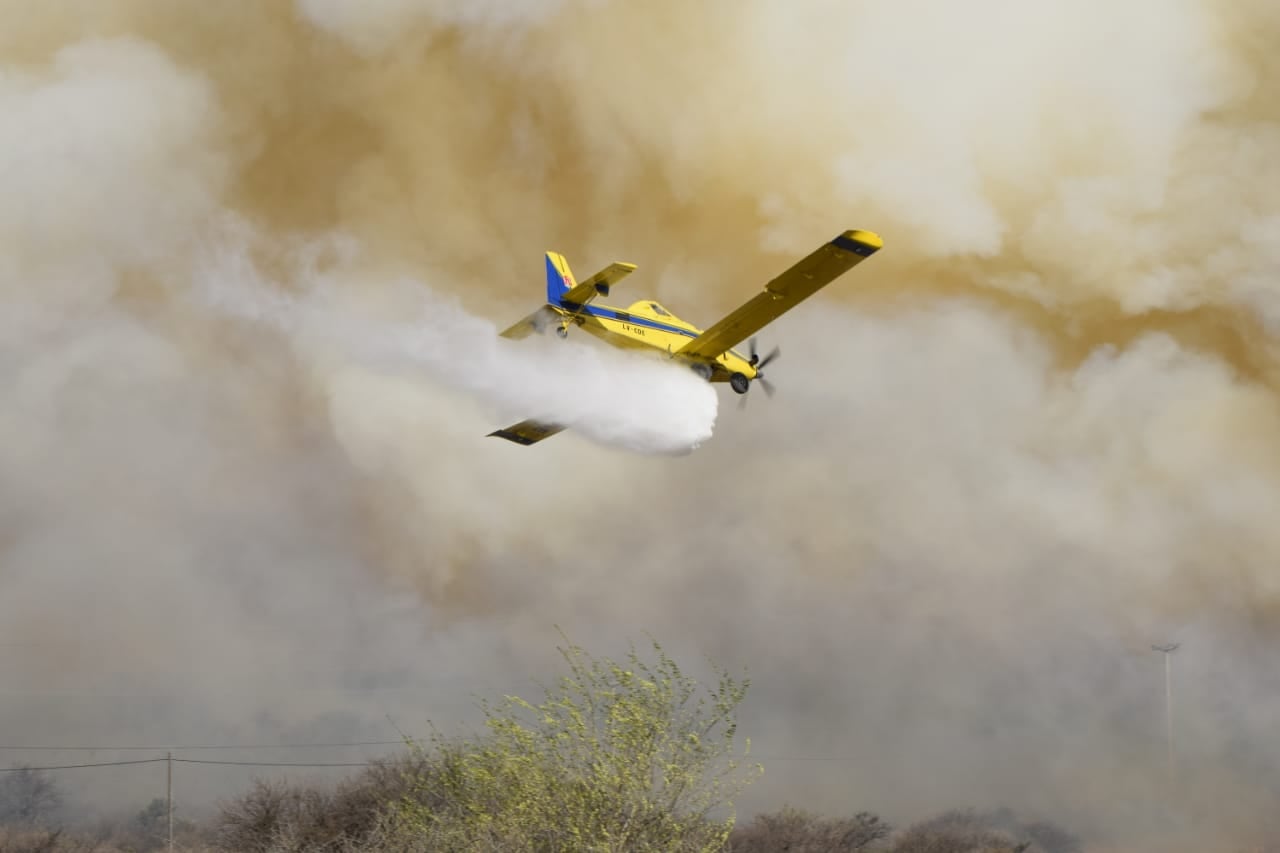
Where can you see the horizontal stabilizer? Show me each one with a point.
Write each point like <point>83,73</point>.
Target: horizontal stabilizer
<point>539,321</point>
<point>527,432</point>
<point>598,284</point>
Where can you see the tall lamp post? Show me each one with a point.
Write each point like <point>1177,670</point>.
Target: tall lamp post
<point>1167,650</point>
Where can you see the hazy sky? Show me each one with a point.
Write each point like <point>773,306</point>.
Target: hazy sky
<point>255,255</point>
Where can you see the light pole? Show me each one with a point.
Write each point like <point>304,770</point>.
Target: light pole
<point>1167,650</point>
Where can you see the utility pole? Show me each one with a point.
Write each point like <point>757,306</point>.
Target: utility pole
<point>168,795</point>
<point>1167,650</point>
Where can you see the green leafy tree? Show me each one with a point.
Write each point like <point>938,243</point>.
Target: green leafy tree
<point>632,756</point>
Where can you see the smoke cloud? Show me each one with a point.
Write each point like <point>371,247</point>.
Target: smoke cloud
<point>254,256</point>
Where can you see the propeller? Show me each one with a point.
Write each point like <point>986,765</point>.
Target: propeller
<point>759,364</point>
<point>756,361</point>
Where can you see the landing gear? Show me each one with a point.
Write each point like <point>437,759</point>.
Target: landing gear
<point>739,383</point>
<point>562,331</point>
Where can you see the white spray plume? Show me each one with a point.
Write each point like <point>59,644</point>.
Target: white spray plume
<point>638,402</point>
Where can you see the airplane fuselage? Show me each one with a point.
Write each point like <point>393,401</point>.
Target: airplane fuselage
<point>647,325</point>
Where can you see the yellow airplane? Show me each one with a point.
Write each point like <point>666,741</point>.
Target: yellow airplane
<point>647,325</point>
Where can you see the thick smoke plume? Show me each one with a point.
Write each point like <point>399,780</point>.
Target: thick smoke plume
<point>252,256</point>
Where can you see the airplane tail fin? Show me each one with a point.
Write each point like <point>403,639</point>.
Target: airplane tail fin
<point>559,283</point>
<point>559,278</point>
<point>566,295</point>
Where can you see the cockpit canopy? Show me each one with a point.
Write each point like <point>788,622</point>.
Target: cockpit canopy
<point>655,311</point>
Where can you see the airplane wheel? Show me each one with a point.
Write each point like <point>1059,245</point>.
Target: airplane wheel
<point>739,383</point>
<point>562,332</point>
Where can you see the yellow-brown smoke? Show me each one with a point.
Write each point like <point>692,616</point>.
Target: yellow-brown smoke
<point>1037,433</point>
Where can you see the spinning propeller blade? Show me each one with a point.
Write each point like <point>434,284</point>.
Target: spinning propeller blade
<point>758,363</point>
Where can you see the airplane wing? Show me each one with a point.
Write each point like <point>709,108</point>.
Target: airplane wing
<point>785,292</point>
<point>598,284</point>
<point>527,432</point>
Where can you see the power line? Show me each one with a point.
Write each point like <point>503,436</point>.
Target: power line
<point>194,747</point>
<point>270,763</point>
<point>78,766</point>
<point>799,758</point>
<point>216,762</point>
<point>186,761</point>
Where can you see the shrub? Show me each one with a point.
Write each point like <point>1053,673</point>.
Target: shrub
<point>28,798</point>
<point>45,841</point>
<point>797,831</point>
<point>274,816</point>
<point>984,832</point>
<point>628,756</point>
<point>632,756</point>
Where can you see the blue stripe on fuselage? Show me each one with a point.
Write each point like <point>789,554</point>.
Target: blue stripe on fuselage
<point>612,314</point>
